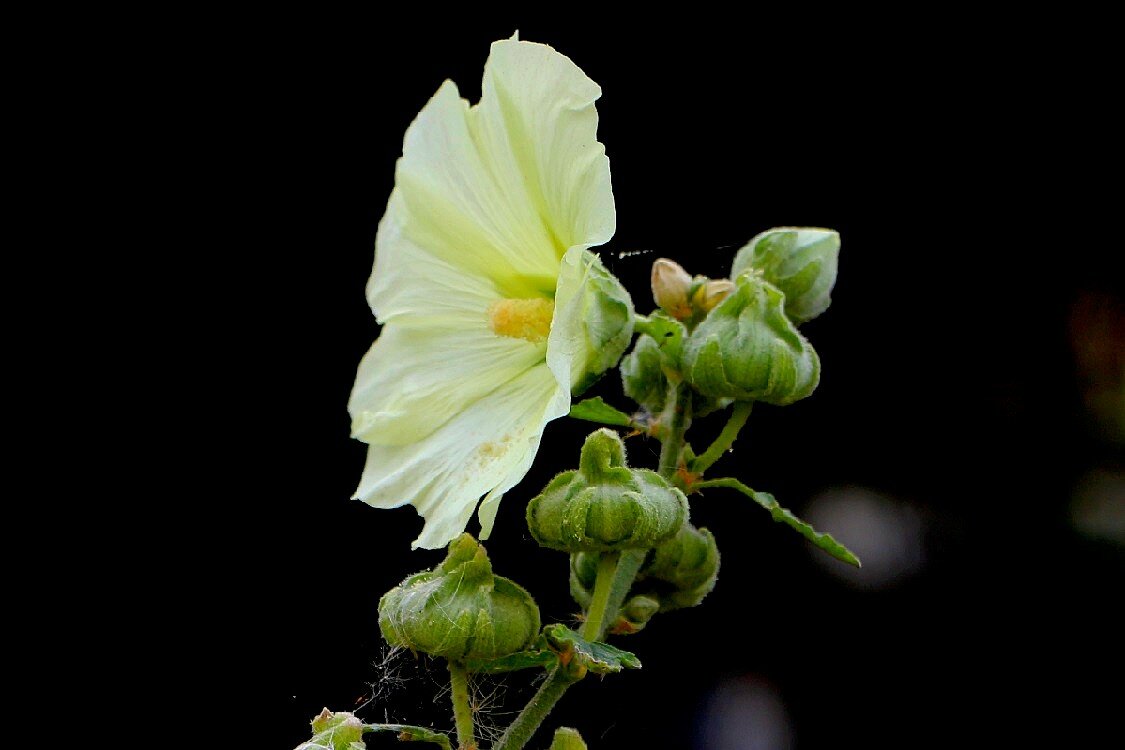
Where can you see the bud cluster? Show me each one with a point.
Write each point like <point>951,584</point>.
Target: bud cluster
<point>604,505</point>
<point>736,339</point>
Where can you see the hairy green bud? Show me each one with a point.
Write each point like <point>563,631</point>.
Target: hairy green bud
<point>800,262</point>
<point>747,349</point>
<point>682,571</point>
<point>642,375</point>
<point>460,610</point>
<point>605,505</point>
<point>567,739</point>
<point>335,731</point>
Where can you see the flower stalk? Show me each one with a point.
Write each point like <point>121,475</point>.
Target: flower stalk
<point>596,618</point>
<point>726,438</point>
<point>462,711</point>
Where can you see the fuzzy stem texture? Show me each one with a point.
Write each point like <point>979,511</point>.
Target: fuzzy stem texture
<point>596,617</point>
<point>462,712</point>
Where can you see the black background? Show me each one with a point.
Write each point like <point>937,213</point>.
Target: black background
<point>953,160</point>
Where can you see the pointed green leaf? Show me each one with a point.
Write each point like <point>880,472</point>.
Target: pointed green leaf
<point>513,662</point>
<point>782,515</point>
<point>597,657</point>
<point>597,410</point>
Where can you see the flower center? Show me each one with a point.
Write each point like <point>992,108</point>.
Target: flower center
<point>527,319</point>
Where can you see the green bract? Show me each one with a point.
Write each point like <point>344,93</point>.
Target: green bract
<point>800,262</point>
<point>460,610</point>
<point>747,349</point>
<point>603,321</point>
<point>605,505</point>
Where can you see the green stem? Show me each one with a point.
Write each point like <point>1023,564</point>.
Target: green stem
<point>462,713</point>
<point>533,714</point>
<point>627,568</point>
<point>725,439</point>
<point>677,413</point>
<point>596,621</point>
<point>615,577</point>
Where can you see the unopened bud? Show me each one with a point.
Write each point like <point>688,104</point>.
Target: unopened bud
<point>800,262</point>
<point>460,610</point>
<point>583,575</point>
<point>335,731</point>
<point>567,739</point>
<point>709,294</point>
<point>671,286</point>
<point>642,375</point>
<point>604,505</point>
<point>682,570</point>
<point>747,349</point>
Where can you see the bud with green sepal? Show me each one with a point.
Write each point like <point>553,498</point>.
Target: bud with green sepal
<point>681,571</point>
<point>709,294</point>
<point>335,731</point>
<point>635,614</point>
<point>650,369</point>
<point>643,375</point>
<point>800,262</point>
<point>567,739</point>
<point>605,506</point>
<point>583,575</point>
<point>460,610</point>
<point>747,349</point>
<point>594,319</point>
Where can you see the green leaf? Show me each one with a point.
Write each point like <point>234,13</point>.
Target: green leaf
<point>513,662</point>
<point>408,733</point>
<point>597,657</point>
<point>597,410</point>
<point>782,515</point>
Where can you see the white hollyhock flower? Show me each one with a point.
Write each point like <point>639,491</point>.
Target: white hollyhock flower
<point>493,309</point>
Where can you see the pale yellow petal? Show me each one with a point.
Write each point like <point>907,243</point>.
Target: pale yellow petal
<point>456,205</point>
<point>415,378</point>
<point>537,119</point>
<point>410,285</point>
<point>487,447</point>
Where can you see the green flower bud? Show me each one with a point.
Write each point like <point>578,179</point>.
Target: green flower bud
<point>583,574</point>
<point>567,739</point>
<point>800,262</point>
<point>635,614</point>
<point>682,571</point>
<point>605,505</point>
<point>335,731</point>
<point>606,312</point>
<point>642,375</point>
<point>747,349</point>
<point>460,610</point>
